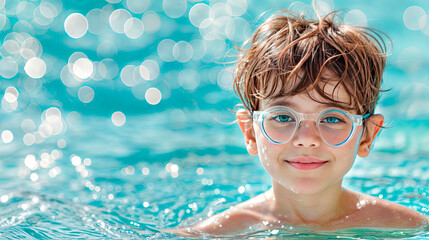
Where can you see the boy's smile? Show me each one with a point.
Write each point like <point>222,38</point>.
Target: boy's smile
<point>306,163</point>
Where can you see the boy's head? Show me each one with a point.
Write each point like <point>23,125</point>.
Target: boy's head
<point>296,69</point>
<point>289,54</point>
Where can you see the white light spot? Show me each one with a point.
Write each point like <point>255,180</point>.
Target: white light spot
<point>3,21</point>
<point>83,68</point>
<point>174,8</point>
<point>149,70</point>
<point>241,189</point>
<point>412,17</point>
<point>145,204</point>
<point>73,119</point>
<point>87,162</point>
<point>133,28</point>
<point>237,29</point>
<point>198,13</point>
<point>30,48</point>
<point>238,7</point>
<point>34,177</point>
<point>53,115</point>
<point>138,6</point>
<point>61,143</point>
<point>182,51</point>
<point>200,171</point>
<point>153,96</point>
<point>76,160</point>
<point>7,136</point>
<point>118,18</point>
<point>85,94</point>
<point>35,67</point>
<point>11,94</point>
<point>29,139</point>
<point>8,67</point>
<point>145,171</point>
<point>151,22</point>
<point>111,68</point>
<point>224,79</point>
<point>4,198</point>
<point>165,50</point>
<point>356,18</point>
<point>118,119</point>
<point>76,25</point>
<point>174,168</point>
<point>30,162</point>
<point>130,76</point>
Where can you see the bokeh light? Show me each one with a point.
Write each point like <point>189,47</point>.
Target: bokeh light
<point>118,18</point>
<point>86,94</point>
<point>118,119</point>
<point>35,67</point>
<point>153,96</point>
<point>356,18</point>
<point>138,6</point>
<point>76,25</point>
<point>7,136</point>
<point>174,8</point>
<point>414,18</point>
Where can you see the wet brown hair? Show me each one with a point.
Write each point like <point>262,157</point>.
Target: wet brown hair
<point>288,53</point>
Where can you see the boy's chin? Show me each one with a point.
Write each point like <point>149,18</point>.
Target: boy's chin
<point>305,186</point>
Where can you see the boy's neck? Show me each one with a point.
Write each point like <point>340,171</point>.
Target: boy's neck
<point>323,207</point>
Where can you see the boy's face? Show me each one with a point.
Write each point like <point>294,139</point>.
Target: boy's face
<point>306,145</point>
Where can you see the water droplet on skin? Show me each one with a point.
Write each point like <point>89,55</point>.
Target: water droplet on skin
<point>374,202</point>
<point>347,217</point>
<point>265,223</point>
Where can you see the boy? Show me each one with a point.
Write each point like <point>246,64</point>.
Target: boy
<point>309,89</point>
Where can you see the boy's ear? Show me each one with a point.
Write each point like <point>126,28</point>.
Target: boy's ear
<point>246,125</point>
<point>373,127</point>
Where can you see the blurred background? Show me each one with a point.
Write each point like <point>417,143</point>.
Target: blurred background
<point>124,105</point>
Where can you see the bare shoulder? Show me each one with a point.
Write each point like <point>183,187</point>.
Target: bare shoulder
<point>385,214</point>
<point>249,214</point>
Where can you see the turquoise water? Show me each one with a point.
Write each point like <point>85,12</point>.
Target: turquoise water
<point>128,131</point>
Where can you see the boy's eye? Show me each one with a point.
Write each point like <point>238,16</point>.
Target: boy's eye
<point>332,120</point>
<point>282,118</point>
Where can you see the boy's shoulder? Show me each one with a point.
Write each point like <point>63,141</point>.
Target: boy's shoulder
<point>379,213</point>
<point>245,215</point>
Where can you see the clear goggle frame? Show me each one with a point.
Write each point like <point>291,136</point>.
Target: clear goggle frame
<point>335,126</point>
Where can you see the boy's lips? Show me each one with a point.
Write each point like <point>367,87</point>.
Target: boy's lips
<point>306,163</point>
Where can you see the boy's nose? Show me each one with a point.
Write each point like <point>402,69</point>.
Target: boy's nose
<point>307,135</point>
